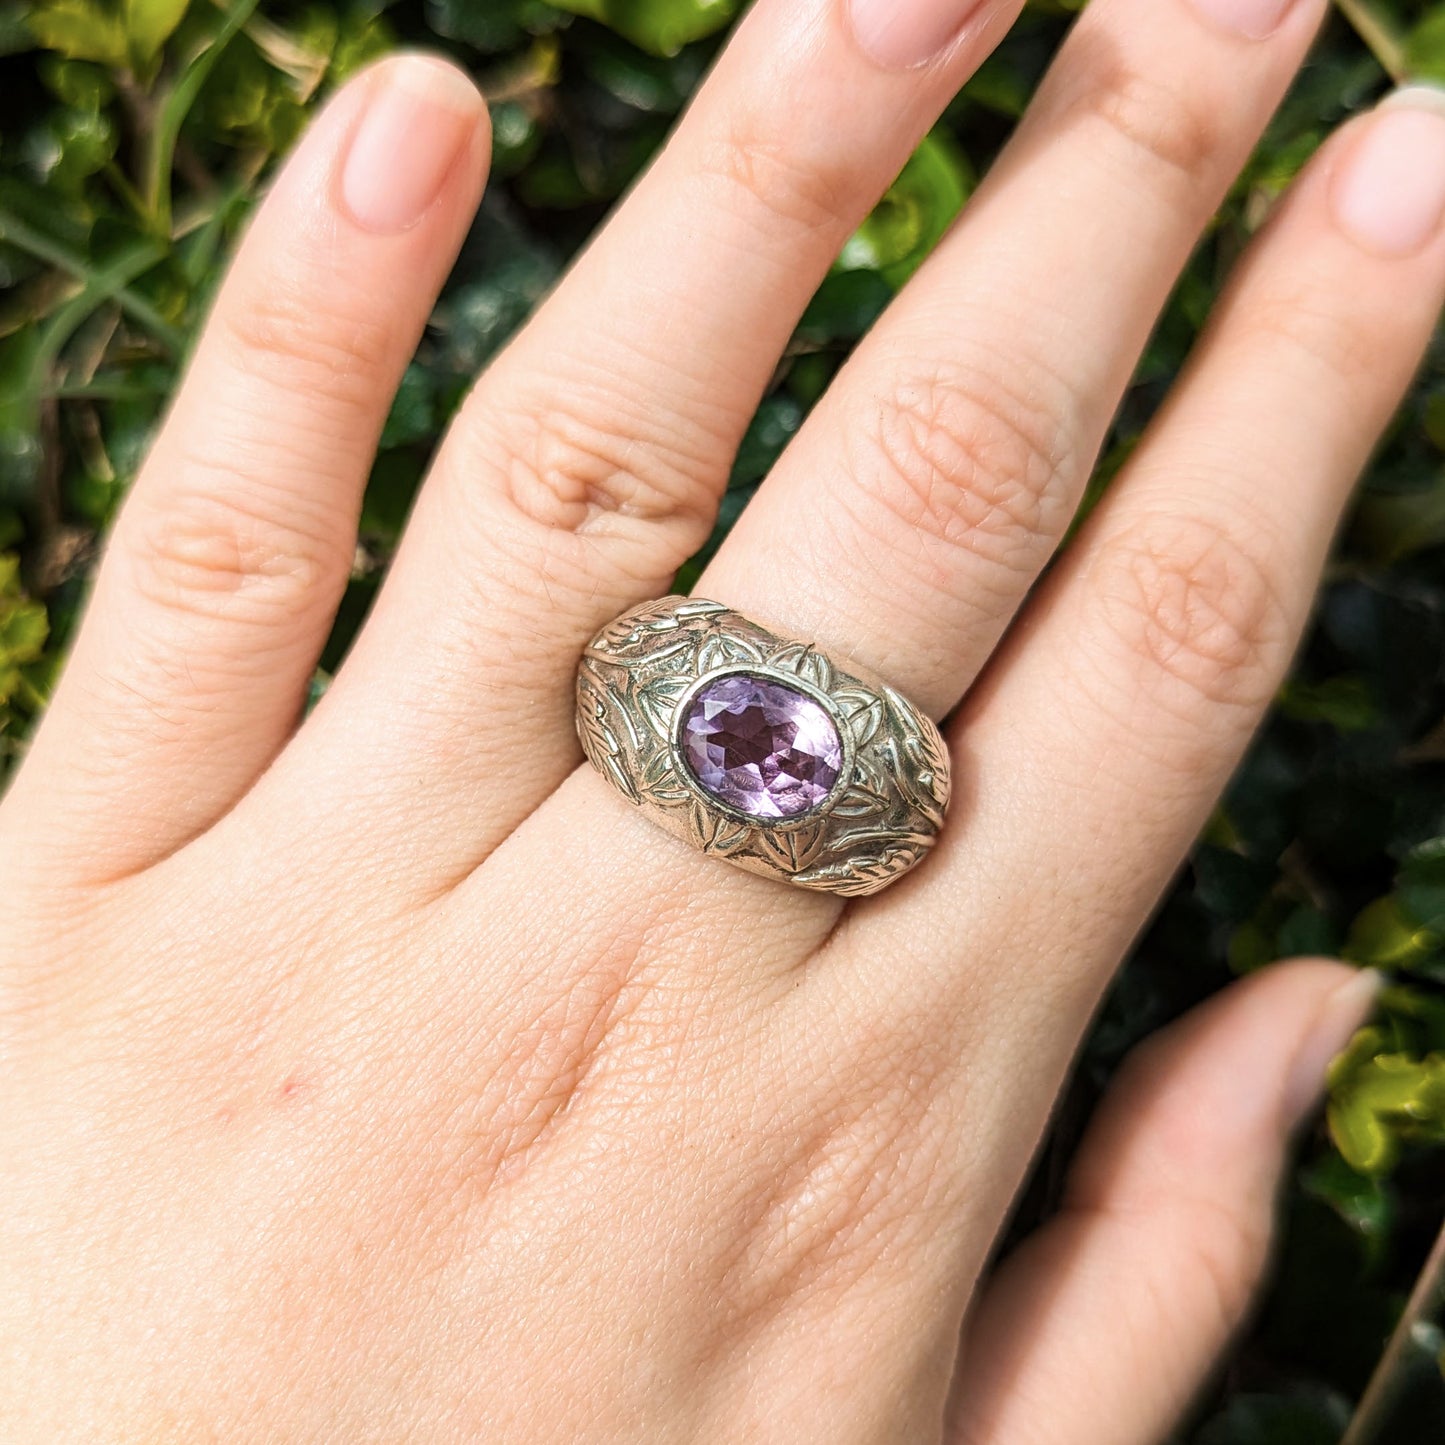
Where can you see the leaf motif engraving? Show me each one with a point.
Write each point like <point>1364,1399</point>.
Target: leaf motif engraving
<point>618,709</point>
<point>923,765</point>
<point>869,772</point>
<point>860,877</point>
<point>659,699</point>
<point>794,850</point>
<point>702,823</point>
<point>860,801</point>
<point>806,662</point>
<point>818,670</point>
<point>660,783</point>
<point>720,649</point>
<point>635,629</point>
<point>863,712</point>
<point>597,740</point>
<point>675,659</point>
<point>615,769</point>
<point>691,608</point>
<point>875,874</point>
<point>731,837</point>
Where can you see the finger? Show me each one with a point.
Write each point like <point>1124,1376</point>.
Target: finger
<point>588,463</point>
<point>1121,1304</point>
<point>943,468</point>
<point>227,562</point>
<point>1113,716</point>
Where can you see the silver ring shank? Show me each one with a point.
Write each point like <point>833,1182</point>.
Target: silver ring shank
<point>879,819</point>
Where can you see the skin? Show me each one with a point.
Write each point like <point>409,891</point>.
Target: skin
<point>386,1078</point>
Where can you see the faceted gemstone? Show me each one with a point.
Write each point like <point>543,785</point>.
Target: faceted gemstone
<point>761,747</point>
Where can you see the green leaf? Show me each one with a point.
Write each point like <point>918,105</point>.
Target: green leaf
<point>80,30</point>
<point>1345,703</point>
<point>846,305</point>
<point>1393,526</point>
<point>1380,1101</point>
<point>149,24</point>
<point>72,146</point>
<point>915,213</point>
<point>24,627</point>
<point>1363,1201</point>
<point>16,35</point>
<point>661,27</point>
<point>1421,887</point>
<point>652,84</point>
<point>79,83</point>
<point>1425,47</point>
<point>494,26</point>
<point>360,40</point>
<point>1000,86</point>
<point>1414,1019</point>
<point>413,416</point>
<point>774,426</point>
<point>1382,936</point>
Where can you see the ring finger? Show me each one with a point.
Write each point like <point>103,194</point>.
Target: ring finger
<point>949,458</point>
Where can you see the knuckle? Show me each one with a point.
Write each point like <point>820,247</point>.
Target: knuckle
<point>592,468</point>
<point>964,457</point>
<point>1231,1245</point>
<point>290,340</point>
<point>550,1054</point>
<point>1166,127</point>
<point>778,179</point>
<point>866,1172</point>
<point>1317,332</point>
<point>1197,613</point>
<point>201,553</point>
<point>1226,1245</point>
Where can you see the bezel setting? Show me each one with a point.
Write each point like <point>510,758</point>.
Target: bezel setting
<point>792,683</point>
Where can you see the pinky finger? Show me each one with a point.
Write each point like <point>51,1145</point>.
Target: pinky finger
<point>1121,1305</point>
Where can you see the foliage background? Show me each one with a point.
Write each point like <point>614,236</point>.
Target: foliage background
<point>136,135</point>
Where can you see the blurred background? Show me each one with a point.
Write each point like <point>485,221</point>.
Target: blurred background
<point>136,136</point>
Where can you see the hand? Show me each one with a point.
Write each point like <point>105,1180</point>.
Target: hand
<point>387,1078</point>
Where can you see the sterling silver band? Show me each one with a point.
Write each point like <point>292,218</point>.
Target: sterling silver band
<point>759,749</point>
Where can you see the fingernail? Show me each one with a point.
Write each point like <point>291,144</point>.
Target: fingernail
<point>902,34</point>
<point>1253,19</point>
<point>1342,1014</point>
<point>1389,196</point>
<point>418,118</point>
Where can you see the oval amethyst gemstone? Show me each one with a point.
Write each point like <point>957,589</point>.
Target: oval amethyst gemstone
<point>761,747</point>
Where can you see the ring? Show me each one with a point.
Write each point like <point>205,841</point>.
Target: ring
<point>760,749</point>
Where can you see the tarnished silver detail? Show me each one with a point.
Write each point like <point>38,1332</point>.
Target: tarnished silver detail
<point>882,817</point>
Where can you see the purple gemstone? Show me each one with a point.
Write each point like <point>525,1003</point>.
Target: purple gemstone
<point>762,747</point>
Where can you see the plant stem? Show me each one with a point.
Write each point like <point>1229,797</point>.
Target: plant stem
<point>1373,1413</point>
<point>1385,44</point>
<point>120,183</point>
<point>176,107</point>
<point>44,248</point>
<point>103,286</point>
